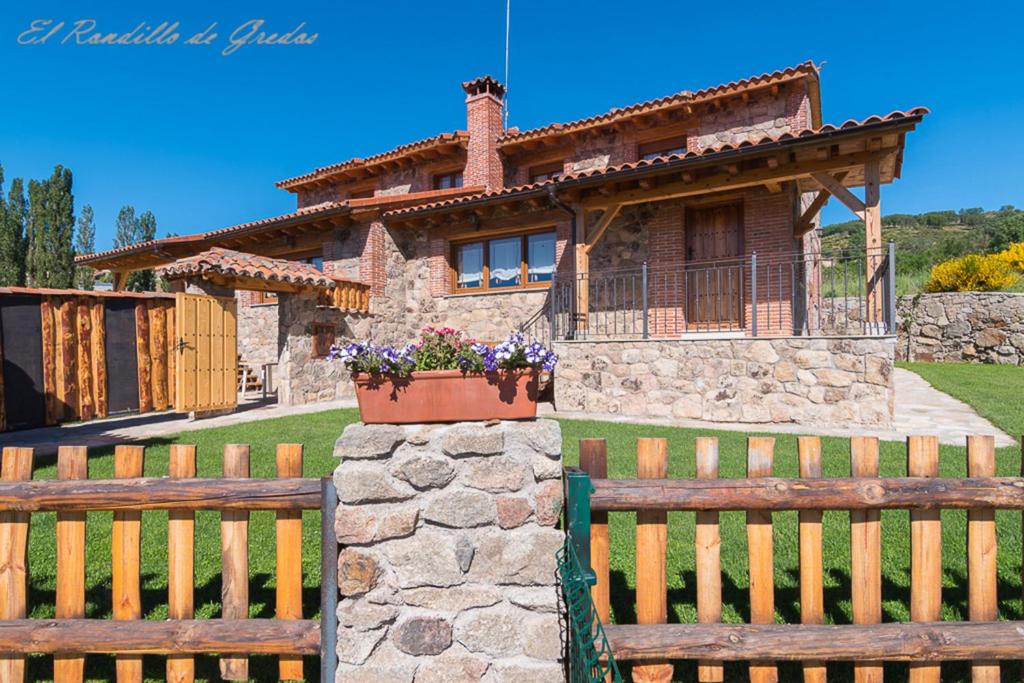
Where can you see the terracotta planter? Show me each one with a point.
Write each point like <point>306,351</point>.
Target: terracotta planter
<point>447,396</point>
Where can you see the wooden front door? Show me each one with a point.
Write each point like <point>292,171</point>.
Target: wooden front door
<point>714,269</point>
<point>207,354</point>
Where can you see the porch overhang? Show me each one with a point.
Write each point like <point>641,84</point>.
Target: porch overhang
<point>239,270</point>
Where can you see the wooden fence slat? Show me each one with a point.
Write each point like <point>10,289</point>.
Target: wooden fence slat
<point>812,590</point>
<point>289,558</point>
<point>594,461</point>
<point>234,535</point>
<point>181,562</point>
<point>99,357</point>
<point>67,339</point>
<point>981,553</point>
<point>865,554</point>
<point>125,547</point>
<point>760,454</point>
<point>172,355</point>
<point>708,559</point>
<point>49,359</point>
<point>651,542</point>
<point>14,526</point>
<point>925,551</point>
<point>72,463</point>
<point>158,352</point>
<point>143,357</point>
<point>86,407</point>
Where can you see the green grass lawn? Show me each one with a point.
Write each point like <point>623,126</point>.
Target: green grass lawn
<point>994,391</point>
<point>318,432</point>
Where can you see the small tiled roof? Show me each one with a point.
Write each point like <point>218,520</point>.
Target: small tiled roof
<point>459,137</point>
<point>850,126</point>
<point>805,69</point>
<point>231,263</point>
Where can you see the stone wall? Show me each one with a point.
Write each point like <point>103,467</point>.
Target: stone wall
<point>257,334</point>
<point>448,568</point>
<point>779,380</point>
<point>948,327</point>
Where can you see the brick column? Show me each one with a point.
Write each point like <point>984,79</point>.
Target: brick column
<point>448,570</point>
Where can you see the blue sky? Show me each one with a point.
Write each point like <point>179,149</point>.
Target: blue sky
<point>199,138</point>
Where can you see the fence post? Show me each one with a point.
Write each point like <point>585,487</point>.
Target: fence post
<point>643,295</point>
<point>890,279</point>
<point>577,512</point>
<point>594,461</point>
<point>328,580</point>
<point>753,294</point>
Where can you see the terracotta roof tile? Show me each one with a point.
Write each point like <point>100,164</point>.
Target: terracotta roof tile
<point>241,264</point>
<point>658,161</point>
<point>805,69</point>
<point>459,137</point>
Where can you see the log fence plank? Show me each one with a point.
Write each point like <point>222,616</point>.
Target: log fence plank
<point>67,376</point>
<point>594,461</point>
<point>14,527</point>
<point>86,406</point>
<point>865,555</point>
<point>181,562</point>
<point>125,549</point>
<point>651,542</point>
<point>99,357</point>
<point>760,454</point>
<point>72,464</point>
<point>708,559</point>
<point>145,370</point>
<point>234,535</point>
<point>47,329</point>
<point>925,551</point>
<point>982,603</point>
<point>812,590</point>
<point>289,559</point>
<point>158,353</point>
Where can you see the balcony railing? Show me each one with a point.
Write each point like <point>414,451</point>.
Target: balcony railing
<point>796,294</point>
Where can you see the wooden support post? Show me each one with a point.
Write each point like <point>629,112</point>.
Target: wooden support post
<point>760,454</point>
<point>651,541</point>
<point>126,546</point>
<point>16,466</point>
<point>873,243</point>
<point>181,562</point>
<point>120,280</point>
<point>925,551</point>
<point>72,463</point>
<point>289,558</point>
<point>865,555</point>
<point>594,461</point>
<point>982,604</point>
<point>708,559</point>
<point>582,276</point>
<point>234,544</point>
<point>812,591</point>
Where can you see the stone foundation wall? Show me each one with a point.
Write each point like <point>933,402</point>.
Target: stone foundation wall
<point>779,380</point>
<point>949,327</point>
<point>257,334</point>
<point>448,569</point>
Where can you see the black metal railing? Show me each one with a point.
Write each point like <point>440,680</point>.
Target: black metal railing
<point>797,294</point>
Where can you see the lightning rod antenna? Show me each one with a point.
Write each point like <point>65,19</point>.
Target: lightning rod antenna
<point>508,15</point>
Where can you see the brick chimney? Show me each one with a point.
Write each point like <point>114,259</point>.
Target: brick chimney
<point>483,121</point>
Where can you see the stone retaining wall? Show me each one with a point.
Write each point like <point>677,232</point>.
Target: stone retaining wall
<point>950,327</point>
<point>448,570</point>
<point>780,380</point>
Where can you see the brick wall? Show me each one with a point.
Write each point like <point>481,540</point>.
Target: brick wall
<point>483,121</point>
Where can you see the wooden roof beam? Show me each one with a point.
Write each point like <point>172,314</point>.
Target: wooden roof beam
<point>805,223</point>
<point>840,192</point>
<point>602,225</point>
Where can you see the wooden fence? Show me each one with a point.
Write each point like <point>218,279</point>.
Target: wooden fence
<point>77,355</point>
<point>69,637</point>
<point>924,643</point>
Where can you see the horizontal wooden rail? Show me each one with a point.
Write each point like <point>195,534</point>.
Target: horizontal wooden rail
<point>920,641</point>
<point>773,493</point>
<point>101,636</point>
<point>160,493</point>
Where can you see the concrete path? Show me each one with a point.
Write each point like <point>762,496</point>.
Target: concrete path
<point>131,428</point>
<point>920,409</point>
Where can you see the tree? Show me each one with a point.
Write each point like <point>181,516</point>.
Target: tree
<point>51,226</point>
<point>85,243</point>
<point>12,234</point>
<point>132,229</point>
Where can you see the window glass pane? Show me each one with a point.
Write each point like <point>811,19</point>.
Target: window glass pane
<point>470,265</point>
<point>540,257</point>
<point>505,261</point>
<point>315,261</point>
<point>457,180</point>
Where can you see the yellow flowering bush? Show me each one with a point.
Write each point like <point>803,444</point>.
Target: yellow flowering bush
<point>1014,255</point>
<point>972,273</point>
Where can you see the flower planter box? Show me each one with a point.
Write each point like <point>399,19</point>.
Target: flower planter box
<point>447,396</point>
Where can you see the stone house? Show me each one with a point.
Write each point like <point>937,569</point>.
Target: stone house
<point>666,248</point>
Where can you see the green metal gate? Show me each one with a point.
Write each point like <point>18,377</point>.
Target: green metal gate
<point>590,657</point>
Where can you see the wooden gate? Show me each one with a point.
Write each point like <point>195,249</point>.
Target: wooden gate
<point>207,353</point>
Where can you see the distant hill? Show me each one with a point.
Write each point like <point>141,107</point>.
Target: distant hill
<point>926,238</point>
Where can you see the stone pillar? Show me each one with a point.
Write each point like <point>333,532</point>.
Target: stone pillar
<point>448,570</point>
